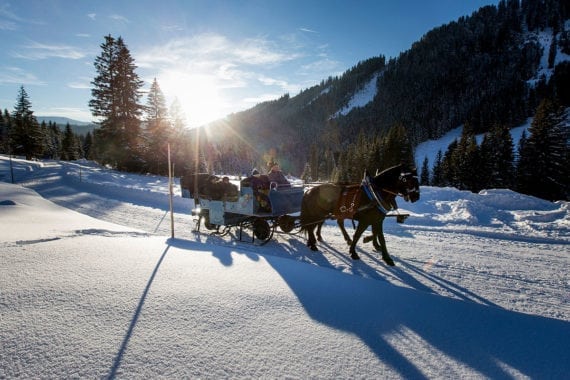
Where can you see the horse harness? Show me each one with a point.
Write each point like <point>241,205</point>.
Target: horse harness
<point>376,197</point>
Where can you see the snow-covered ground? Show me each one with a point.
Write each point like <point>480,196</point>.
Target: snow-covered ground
<point>98,288</point>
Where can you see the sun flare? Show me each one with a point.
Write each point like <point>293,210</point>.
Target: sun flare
<point>198,96</point>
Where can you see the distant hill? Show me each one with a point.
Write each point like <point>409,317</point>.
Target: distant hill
<point>78,127</point>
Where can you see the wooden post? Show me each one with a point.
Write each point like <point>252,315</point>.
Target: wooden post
<point>170,194</point>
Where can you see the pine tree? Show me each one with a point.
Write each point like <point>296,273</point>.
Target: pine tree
<point>464,159</point>
<point>449,173</point>
<point>542,169</point>
<point>314,163</point>
<point>424,177</point>
<point>397,148</point>
<point>69,145</point>
<point>115,99</point>
<point>26,136</point>
<point>4,130</point>
<point>87,145</point>
<point>437,177</point>
<point>503,162</point>
<point>180,138</point>
<point>158,130</point>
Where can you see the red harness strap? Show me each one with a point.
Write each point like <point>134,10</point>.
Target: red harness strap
<point>348,202</point>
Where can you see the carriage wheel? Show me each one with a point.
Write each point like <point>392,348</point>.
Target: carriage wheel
<point>286,223</point>
<point>261,229</point>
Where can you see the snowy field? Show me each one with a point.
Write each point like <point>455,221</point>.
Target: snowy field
<point>93,286</point>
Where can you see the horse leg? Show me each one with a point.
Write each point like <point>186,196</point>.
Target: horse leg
<point>359,230</point>
<point>378,232</point>
<point>312,241</point>
<point>347,238</point>
<point>319,226</point>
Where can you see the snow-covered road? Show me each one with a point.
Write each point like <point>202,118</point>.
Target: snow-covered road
<point>485,249</point>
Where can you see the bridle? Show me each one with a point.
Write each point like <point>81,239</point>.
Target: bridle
<point>406,194</point>
<point>408,191</point>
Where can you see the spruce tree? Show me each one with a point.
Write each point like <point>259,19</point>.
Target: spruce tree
<point>437,176</point>
<point>69,145</point>
<point>181,154</point>
<point>542,169</point>
<point>115,100</point>
<point>397,148</point>
<point>158,130</point>
<point>4,128</point>
<point>424,177</point>
<point>449,173</point>
<point>465,161</point>
<point>26,137</point>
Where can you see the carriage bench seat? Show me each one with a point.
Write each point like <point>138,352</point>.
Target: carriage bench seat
<point>286,200</point>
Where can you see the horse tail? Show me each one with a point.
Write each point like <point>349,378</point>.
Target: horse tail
<point>308,215</point>
<point>303,218</point>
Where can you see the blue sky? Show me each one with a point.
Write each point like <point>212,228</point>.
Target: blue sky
<point>214,57</point>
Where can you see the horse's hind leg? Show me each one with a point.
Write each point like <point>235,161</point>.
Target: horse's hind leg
<point>312,241</point>
<point>378,233</point>
<point>319,236</point>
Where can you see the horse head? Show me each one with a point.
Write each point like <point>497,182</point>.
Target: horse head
<point>399,180</point>
<point>409,185</point>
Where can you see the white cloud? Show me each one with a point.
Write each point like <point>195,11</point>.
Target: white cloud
<point>307,30</point>
<point>213,50</point>
<point>82,83</point>
<point>119,18</point>
<point>15,75</point>
<point>36,51</point>
<point>268,81</point>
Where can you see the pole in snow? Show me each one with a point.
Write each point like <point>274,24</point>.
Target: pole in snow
<point>170,194</point>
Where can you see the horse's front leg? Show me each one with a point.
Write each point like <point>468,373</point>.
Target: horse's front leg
<point>359,230</point>
<point>380,243</point>
<point>347,238</point>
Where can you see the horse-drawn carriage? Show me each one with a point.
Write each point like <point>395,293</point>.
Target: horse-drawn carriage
<point>261,207</point>
<point>257,205</point>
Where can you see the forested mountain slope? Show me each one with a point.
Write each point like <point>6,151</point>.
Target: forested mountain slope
<point>491,68</point>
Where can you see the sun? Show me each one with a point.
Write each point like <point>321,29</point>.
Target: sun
<point>198,95</point>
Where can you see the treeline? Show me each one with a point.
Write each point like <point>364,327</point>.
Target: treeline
<point>539,165</point>
<point>22,135</point>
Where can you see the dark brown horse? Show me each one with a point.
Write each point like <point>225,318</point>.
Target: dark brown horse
<point>367,203</point>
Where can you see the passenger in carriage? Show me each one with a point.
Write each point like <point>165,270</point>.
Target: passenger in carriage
<point>276,176</point>
<point>260,185</point>
<point>230,191</point>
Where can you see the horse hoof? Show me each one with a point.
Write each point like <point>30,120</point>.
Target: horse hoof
<point>355,256</point>
<point>388,260</point>
<point>314,248</point>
